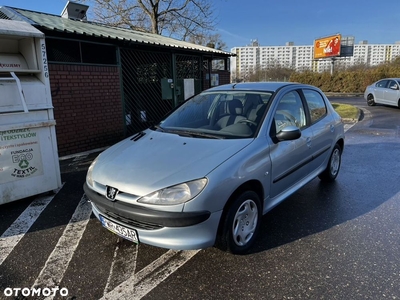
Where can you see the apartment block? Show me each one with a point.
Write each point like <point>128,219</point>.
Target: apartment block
<point>255,57</point>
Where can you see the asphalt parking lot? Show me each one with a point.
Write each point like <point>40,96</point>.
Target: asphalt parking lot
<point>340,241</point>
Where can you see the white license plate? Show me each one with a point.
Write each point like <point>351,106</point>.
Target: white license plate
<point>122,231</point>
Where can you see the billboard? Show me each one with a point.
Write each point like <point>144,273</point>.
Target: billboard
<point>327,46</point>
<point>347,46</point>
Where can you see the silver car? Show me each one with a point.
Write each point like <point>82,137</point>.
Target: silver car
<point>207,173</point>
<point>385,91</point>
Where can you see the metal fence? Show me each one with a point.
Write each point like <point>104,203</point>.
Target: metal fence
<point>153,84</point>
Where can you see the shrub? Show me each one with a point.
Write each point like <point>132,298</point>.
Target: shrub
<point>352,80</point>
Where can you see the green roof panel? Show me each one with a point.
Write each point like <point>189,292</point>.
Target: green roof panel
<point>57,23</point>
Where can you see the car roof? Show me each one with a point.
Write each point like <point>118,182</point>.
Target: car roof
<point>390,78</point>
<point>258,86</point>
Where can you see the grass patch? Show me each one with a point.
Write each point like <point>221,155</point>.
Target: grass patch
<point>346,111</point>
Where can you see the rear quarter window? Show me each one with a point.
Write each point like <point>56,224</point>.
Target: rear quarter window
<point>316,105</point>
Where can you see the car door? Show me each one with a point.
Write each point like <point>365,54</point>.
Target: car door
<point>391,94</point>
<point>379,91</point>
<point>322,125</point>
<point>289,159</point>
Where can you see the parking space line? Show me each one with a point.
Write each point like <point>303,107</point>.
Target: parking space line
<point>11,237</point>
<point>348,126</point>
<point>143,282</point>
<point>122,267</point>
<point>58,261</point>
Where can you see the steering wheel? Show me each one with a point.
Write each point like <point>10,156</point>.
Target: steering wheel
<point>248,121</point>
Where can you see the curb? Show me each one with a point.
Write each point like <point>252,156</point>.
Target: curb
<point>86,153</point>
<point>348,120</point>
<point>342,95</point>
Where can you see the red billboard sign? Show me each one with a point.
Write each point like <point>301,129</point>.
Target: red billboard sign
<point>327,47</point>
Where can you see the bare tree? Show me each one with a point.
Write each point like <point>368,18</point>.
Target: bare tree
<point>212,40</point>
<point>181,19</point>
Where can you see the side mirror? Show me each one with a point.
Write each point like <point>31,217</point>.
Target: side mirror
<point>288,133</point>
<point>394,87</point>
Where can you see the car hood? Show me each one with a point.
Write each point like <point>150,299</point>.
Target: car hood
<point>157,160</point>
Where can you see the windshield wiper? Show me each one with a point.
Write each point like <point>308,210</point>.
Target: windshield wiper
<point>193,134</point>
<point>159,128</point>
<point>206,135</point>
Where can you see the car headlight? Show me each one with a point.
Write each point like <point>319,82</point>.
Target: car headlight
<point>176,194</point>
<point>89,177</point>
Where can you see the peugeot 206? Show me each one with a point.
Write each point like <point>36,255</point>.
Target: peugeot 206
<point>206,174</point>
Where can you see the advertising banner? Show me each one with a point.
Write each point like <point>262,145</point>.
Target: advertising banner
<point>327,47</point>
<point>20,155</point>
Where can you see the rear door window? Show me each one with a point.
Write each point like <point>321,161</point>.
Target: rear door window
<point>316,105</point>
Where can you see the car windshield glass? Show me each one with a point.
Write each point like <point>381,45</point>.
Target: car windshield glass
<point>219,114</point>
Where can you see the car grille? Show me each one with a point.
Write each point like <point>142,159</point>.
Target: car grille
<point>133,223</point>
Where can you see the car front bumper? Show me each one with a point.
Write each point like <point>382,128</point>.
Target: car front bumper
<point>172,230</point>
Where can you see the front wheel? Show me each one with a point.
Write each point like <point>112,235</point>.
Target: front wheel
<point>370,100</point>
<point>241,224</point>
<point>333,167</point>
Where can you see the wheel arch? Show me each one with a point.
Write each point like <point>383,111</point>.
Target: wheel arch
<point>371,95</point>
<point>340,142</point>
<point>251,185</point>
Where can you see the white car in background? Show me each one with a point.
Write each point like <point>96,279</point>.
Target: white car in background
<point>385,91</point>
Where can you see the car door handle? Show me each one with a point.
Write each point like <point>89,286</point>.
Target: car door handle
<point>332,128</point>
<point>308,141</point>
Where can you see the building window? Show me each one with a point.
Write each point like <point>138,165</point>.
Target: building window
<point>67,51</point>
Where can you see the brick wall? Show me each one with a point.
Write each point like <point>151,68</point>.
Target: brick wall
<point>87,107</point>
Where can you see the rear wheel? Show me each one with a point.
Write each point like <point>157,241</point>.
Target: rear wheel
<point>370,100</point>
<point>332,170</point>
<point>241,224</point>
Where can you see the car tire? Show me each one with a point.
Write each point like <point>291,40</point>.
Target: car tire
<point>333,167</point>
<point>370,100</point>
<point>240,224</point>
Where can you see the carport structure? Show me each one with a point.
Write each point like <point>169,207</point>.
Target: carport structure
<point>108,82</point>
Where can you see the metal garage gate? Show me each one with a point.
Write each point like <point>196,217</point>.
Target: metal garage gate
<point>153,83</point>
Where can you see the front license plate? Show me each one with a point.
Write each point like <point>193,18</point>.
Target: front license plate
<point>129,234</point>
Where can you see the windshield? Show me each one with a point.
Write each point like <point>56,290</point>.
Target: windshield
<point>219,114</point>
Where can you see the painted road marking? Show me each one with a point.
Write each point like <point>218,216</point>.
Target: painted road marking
<point>348,126</point>
<point>121,284</point>
<point>58,261</point>
<point>17,230</point>
<point>143,282</point>
<point>125,264</point>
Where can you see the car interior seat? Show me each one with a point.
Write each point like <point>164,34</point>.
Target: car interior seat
<point>235,110</point>
<point>250,104</point>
